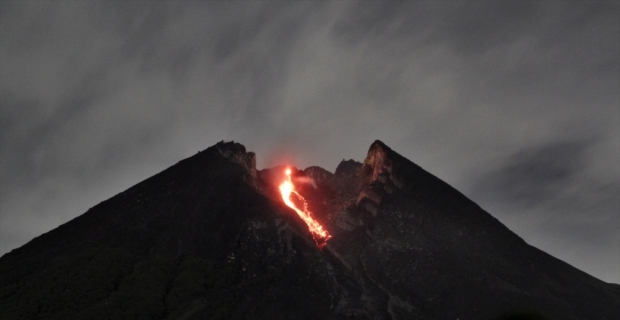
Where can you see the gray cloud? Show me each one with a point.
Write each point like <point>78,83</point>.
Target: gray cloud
<point>515,104</point>
<point>533,175</point>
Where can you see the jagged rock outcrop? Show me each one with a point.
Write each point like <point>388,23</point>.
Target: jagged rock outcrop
<point>209,238</point>
<point>236,153</point>
<point>380,167</point>
<point>318,175</point>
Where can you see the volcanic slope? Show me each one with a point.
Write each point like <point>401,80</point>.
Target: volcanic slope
<point>210,238</point>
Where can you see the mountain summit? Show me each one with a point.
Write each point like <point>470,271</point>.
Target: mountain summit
<point>212,238</point>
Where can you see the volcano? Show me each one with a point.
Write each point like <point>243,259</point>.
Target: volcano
<point>211,238</point>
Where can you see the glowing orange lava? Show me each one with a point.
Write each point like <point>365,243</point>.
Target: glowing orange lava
<point>287,189</point>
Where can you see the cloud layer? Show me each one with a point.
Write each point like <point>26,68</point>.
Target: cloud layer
<point>515,104</point>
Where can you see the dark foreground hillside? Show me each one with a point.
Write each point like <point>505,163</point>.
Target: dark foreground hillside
<point>210,238</point>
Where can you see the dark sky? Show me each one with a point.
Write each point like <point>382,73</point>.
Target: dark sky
<point>516,104</point>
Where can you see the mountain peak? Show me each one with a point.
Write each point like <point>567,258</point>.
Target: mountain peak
<point>236,153</point>
<point>380,174</point>
<point>382,164</point>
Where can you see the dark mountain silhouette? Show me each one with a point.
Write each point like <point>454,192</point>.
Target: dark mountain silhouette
<point>210,238</point>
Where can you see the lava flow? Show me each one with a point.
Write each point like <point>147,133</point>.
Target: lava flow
<point>287,188</point>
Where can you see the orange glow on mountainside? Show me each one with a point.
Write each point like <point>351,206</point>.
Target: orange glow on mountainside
<point>287,189</point>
